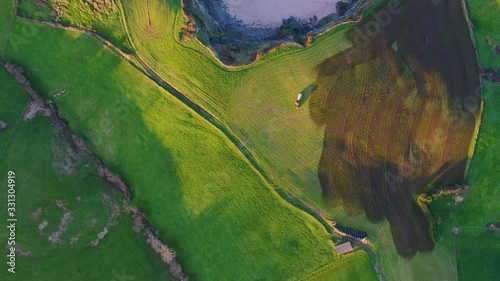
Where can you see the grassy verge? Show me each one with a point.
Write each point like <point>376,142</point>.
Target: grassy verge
<point>462,226</point>
<point>13,102</point>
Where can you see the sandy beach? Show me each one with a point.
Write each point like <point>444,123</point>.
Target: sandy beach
<point>271,12</point>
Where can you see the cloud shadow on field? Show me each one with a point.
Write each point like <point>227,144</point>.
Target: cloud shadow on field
<point>392,106</point>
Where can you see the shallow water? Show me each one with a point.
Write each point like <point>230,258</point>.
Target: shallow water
<point>272,12</point>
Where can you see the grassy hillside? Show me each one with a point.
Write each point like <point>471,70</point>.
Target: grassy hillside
<point>476,248</point>
<point>52,180</point>
<point>257,104</point>
<point>6,14</point>
<point>98,15</point>
<point>484,15</point>
<point>349,267</point>
<point>203,197</point>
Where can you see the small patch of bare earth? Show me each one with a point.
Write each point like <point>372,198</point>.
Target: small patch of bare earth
<point>75,239</point>
<point>42,225</point>
<point>115,180</point>
<point>35,106</point>
<point>42,3</point>
<point>3,125</point>
<point>115,212</point>
<point>92,223</point>
<point>167,254</point>
<point>36,214</point>
<point>19,249</point>
<point>458,199</point>
<point>80,145</point>
<point>65,220</point>
<point>66,157</point>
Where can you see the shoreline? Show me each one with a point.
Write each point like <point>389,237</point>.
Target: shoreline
<point>258,41</point>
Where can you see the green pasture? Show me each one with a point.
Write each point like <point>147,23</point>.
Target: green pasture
<point>479,249</point>
<point>256,102</point>
<point>214,210</point>
<point>475,249</point>
<point>105,21</point>
<point>182,183</point>
<point>354,266</point>
<point>484,16</point>
<point>34,155</point>
<point>6,14</point>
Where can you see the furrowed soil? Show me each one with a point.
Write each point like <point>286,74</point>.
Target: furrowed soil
<point>394,116</point>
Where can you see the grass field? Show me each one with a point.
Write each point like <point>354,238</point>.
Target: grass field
<point>349,267</point>
<point>203,197</point>
<point>480,260</point>
<point>35,154</point>
<point>105,19</point>
<point>13,102</point>
<point>475,249</point>
<point>484,15</point>
<point>6,14</point>
<point>257,103</point>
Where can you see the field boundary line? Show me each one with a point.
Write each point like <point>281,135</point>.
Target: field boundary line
<point>200,110</point>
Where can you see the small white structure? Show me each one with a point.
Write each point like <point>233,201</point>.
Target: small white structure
<point>299,97</point>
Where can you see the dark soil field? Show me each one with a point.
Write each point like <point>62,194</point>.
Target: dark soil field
<point>399,108</point>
